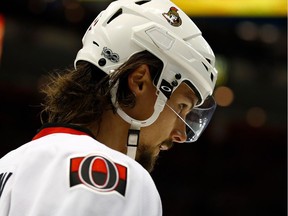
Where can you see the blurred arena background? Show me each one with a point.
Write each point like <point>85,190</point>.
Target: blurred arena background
<point>239,165</point>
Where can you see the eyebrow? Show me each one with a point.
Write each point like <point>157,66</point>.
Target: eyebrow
<point>190,94</point>
<point>191,97</point>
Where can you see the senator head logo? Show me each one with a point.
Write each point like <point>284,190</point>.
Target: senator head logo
<point>98,173</point>
<point>173,17</point>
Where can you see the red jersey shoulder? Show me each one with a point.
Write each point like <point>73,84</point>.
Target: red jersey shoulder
<point>99,173</point>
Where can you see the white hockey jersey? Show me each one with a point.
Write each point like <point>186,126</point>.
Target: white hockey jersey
<point>64,171</point>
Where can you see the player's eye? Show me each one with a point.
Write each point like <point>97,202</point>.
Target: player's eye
<point>184,109</point>
<point>181,108</point>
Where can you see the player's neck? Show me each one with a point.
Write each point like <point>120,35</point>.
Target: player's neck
<point>112,131</point>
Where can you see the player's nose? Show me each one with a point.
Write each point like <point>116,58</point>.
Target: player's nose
<point>178,134</point>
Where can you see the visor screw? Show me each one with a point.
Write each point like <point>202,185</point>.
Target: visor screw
<point>102,62</point>
<point>174,83</point>
<point>178,76</point>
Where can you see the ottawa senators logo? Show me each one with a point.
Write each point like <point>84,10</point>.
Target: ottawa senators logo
<point>98,173</point>
<point>173,17</point>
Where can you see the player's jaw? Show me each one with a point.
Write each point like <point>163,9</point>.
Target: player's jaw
<point>148,155</point>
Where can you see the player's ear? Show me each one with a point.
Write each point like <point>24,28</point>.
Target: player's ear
<point>139,79</point>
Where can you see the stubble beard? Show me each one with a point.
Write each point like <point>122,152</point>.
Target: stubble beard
<point>148,156</point>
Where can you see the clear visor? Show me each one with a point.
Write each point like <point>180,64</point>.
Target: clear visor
<point>197,119</point>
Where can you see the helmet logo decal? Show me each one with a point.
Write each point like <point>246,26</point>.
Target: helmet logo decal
<point>110,55</point>
<point>166,88</point>
<point>93,24</point>
<point>173,17</point>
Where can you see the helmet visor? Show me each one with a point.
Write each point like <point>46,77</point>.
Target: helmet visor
<point>197,119</point>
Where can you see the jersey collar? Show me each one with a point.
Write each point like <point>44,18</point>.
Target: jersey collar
<point>51,128</point>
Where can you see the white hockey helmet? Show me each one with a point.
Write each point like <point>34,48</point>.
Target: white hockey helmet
<point>128,27</point>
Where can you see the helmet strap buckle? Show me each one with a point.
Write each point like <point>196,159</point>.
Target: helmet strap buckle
<point>133,139</point>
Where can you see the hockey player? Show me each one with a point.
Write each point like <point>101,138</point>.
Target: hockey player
<point>142,81</point>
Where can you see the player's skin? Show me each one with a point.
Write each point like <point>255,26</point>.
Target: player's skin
<point>168,128</point>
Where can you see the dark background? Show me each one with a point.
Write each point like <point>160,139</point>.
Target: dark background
<point>236,168</point>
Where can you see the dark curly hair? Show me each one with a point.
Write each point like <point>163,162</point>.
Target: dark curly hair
<point>80,96</point>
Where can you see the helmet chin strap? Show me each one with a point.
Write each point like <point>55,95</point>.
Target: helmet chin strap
<point>135,125</point>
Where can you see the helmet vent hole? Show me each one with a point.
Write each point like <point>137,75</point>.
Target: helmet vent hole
<point>211,77</point>
<point>118,13</point>
<point>142,2</point>
<point>94,42</point>
<point>205,66</point>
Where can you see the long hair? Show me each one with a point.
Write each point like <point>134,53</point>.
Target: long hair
<point>80,96</point>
